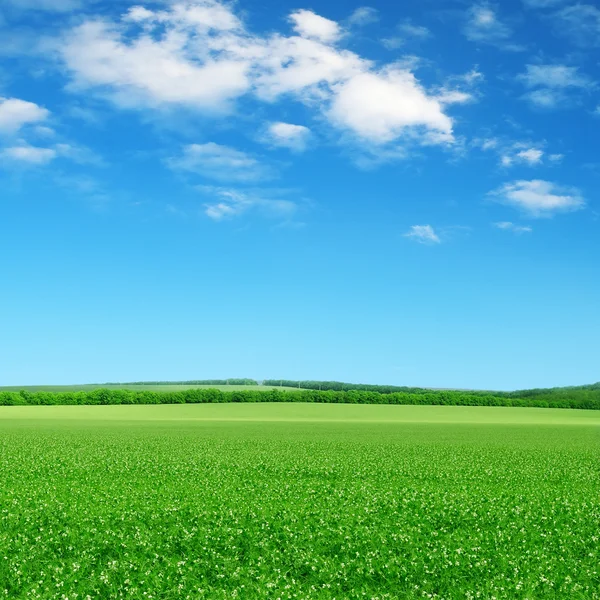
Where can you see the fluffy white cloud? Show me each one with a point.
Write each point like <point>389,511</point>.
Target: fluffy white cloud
<point>199,55</point>
<point>219,162</point>
<point>287,135</point>
<point>581,23</point>
<point>310,25</point>
<point>539,198</point>
<point>230,203</point>
<point>424,234</point>
<point>381,107</point>
<point>508,226</point>
<point>305,68</point>
<point>15,113</point>
<point>364,15</point>
<point>151,72</point>
<point>30,155</point>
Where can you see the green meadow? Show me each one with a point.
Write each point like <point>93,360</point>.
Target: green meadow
<point>299,501</point>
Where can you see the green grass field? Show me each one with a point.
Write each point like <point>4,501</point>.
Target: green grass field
<point>299,501</point>
<point>151,388</point>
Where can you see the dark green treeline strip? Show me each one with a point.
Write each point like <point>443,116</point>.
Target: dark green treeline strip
<point>207,395</point>
<point>567,397</point>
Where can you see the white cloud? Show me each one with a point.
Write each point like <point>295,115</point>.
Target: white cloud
<point>151,72</point>
<point>47,5</point>
<point>78,154</point>
<point>305,68</point>
<point>287,135</point>
<point>508,226</point>
<point>30,155</point>
<point>555,158</point>
<point>199,55</point>
<point>220,162</point>
<point>424,234</point>
<point>539,198</point>
<point>364,15</point>
<point>230,203</point>
<point>15,113</point>
<point>484,26</point>
<point>546,98</point>
<point>581,23</point>
<point>532,156</point>
<point>310,25</point>
<point>381,107</point>
<point>554,76</point>
<point>487,143</point>
<point>408,30</point>
<point>549,84</point>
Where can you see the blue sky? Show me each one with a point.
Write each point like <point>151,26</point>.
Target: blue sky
<point>399,193</point>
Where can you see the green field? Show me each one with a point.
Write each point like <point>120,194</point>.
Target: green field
<point>299,501</point>
<point>175,387</point>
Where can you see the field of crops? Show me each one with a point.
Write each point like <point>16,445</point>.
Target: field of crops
<point>299,501</point>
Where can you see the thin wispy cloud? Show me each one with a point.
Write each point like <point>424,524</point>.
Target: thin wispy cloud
<point>223,163</point>
<point>224,204</point>
<point>483,25</point>
<point>513,227</point>
<point>423,234</point>
<point>407,32</point>
<point>24,154</point>
<point>363,15</point>
<point>580,23</point>
<point>539,198</point>
<point>554,86</point>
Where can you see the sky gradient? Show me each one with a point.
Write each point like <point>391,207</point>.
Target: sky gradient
<point>400,193</point>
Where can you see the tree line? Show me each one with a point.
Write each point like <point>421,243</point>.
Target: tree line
<point>589,401</point>
<point>234,381</point>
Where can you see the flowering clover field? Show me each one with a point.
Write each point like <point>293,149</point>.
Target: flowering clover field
<point>174,508</point>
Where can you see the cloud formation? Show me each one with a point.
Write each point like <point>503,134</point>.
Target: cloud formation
<point>539,198</point>
<point>228,203</point>
<point>288,135</point>
<point>580,23</point>
<point>200,55</point>
<point>509,226</point>
<point>28,155</point>
<point>551,86</point>
<point>423,234</point>
<point>15,113</point>
<point>364,15</point>
<point>484,26</point>
<point>222,163</point>
<point>310,25</point>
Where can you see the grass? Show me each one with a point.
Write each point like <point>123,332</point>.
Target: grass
<point>151,388</point>
<point>299,501</point>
